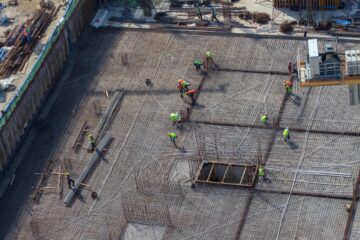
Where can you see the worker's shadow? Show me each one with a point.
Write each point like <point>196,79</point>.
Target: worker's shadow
<point>295,99</point>
<point>197,106</point>
<point>292,144</point>
<point>181,149</point>
<point>223,87</point>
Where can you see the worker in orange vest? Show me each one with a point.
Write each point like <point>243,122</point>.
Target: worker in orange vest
<point>191,94</point>
<point>180,87</point>
<point>288,86</point>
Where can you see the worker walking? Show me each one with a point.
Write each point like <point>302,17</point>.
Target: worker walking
<point>264,118</point>
<point>286,135</point>
<point>175,118</point>
<point>92,141</point>
<point>70,181</point>
<point>213,15</point>
<point>191,93</point>
<point>209,57</point>
<point>173,137</point>
<point>198,12</point>
<point>198,65</point>
<point>261,173</point>
<point>181,88</point>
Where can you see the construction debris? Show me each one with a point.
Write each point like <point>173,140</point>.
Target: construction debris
<point>47,4</point>
<point>23,38</point>
<point>286,27</point>
<point>261,17</point>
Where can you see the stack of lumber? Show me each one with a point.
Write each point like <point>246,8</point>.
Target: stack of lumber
<point>20,53</point>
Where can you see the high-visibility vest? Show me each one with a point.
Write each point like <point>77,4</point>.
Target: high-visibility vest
<point>192,91</point>
<point>198,62</point>
<point>91,138</point>
<point>172,135</point>
<point>286,132</point>
<point>208,54</point>
<point>261,172</point>
<point>185,84</point>
<point>173,117</point>
<point>264,118</point>
<point>178,116</point>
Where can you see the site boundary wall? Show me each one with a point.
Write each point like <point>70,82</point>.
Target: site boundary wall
<point>22,109</point>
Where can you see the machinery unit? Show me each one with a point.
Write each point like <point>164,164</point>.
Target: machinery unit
<point>352,62</point>
<point>328,68</point>
<point>321,66</point>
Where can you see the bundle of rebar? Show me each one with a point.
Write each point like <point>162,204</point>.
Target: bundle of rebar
<point>22,47</point>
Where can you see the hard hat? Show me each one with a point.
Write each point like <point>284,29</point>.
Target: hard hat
<point>181,80</point>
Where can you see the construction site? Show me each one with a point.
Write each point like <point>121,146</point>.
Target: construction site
<point>88,151</point>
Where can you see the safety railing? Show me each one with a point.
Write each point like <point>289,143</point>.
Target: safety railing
<point>36,66</point>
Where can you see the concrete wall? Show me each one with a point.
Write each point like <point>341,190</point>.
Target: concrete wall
<point>17,125</point>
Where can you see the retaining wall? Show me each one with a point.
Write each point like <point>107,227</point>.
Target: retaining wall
<point>17,117</point>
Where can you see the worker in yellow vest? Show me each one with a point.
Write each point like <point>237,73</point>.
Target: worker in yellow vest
<point>261,173</point>
<point>286,135</point>
<point>173,137</point>
<point>264,118</point>
<point>92,141</point>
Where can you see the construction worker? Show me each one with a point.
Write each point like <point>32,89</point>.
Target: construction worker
<point>173,137</point>
<point>286,135</point>
<point>180,87</point>
<point>92,141</point>
<point>264,118</point>
<point>198,12</point>
<point>213,15</point>
<point>191,94</point>
<point>290,67</point>
<point>294,68</point>
<point>185,85</point>
<point>198,65</point>
<point>70,181</point>
<point>175,118</point>
<point>305,34</point>
<point>288,86</point>
<point>208,56</point>
<point>261,173</point>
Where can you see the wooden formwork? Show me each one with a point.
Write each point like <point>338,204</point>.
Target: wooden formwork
<point>320,4</point>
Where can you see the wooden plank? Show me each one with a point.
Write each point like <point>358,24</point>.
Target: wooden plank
<point>334,82</point>
<point>80,139</point>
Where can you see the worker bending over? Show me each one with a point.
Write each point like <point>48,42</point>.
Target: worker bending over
<point>185,85</point>
<point>180,87</point>
<point>191,93</point>
<point>288,86</point>
<point>173,137</point>
<point>264,118</point>
<point>175,118</point>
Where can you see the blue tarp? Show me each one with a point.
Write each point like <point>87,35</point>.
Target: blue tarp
<point>343,22</point>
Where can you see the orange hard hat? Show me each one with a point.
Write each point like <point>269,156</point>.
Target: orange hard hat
<point>180,80</point>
